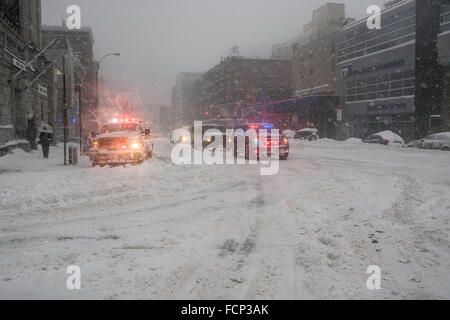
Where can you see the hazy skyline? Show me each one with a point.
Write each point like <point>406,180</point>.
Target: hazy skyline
<point>158,39</point>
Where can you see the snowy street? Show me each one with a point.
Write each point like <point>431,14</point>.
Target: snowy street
<point>161,231</point>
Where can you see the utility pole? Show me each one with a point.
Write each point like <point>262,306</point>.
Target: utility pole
<point>65,109</point>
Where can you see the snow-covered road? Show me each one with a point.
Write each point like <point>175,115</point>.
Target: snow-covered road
<point>161,231</point>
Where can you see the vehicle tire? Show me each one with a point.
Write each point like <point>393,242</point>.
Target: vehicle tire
<point>313,138</point>
<point>445,149</point>
<point>283,158</point>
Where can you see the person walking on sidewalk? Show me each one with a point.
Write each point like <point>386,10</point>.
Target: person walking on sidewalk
<point>45,138</point>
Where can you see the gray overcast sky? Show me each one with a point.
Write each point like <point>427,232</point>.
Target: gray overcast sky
<point>160,38</point>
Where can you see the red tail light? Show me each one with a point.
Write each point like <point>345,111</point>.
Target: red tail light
<point>285,141</point>
<point>386,142</point>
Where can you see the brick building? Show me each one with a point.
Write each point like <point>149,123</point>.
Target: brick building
<point>20,42</point>
<point>239,82</point>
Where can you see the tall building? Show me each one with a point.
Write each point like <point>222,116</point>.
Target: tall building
<point>313,53</point>
<point>314,60</point>
<point>313,56</point>
<point>390,78</point>
<point>286,50</point>
<point>21,99</point>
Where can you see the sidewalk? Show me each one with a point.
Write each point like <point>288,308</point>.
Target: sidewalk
<point>21,161</point>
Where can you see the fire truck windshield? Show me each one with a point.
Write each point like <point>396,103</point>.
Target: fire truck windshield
<point>116,127</point>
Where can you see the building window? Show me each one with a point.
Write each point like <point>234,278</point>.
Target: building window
<point>398,26</point>
<point>395,84</point>
<point>10,14</point>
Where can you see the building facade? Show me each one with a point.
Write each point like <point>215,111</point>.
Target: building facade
<point>314,61</point>
<point>382,72</point>
<point>444,61</point>
<point>239,82</point>
<point>285,51</point>
<point>24,97</point>
<point>80,72</point>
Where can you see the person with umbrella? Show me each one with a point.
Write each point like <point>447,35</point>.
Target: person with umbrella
<point>45,138</point>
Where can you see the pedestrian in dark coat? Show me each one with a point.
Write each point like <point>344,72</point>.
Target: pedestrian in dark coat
<point>45,140</point>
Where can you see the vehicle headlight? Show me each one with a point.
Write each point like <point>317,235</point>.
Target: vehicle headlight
<point>136,145</point>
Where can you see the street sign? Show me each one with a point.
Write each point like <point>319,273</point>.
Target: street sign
<point>19,64</point>
<point>42,90</point>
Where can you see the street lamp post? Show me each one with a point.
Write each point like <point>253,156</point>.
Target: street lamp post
<point>96,78</point>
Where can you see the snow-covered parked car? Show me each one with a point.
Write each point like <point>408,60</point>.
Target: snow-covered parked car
<point>386,138</point>
<point>309,134</point>
<point>413,144</point>
<point>353,140</point>
<point>121,142</point>
<point>290,134</point>
<point>438,141</point>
